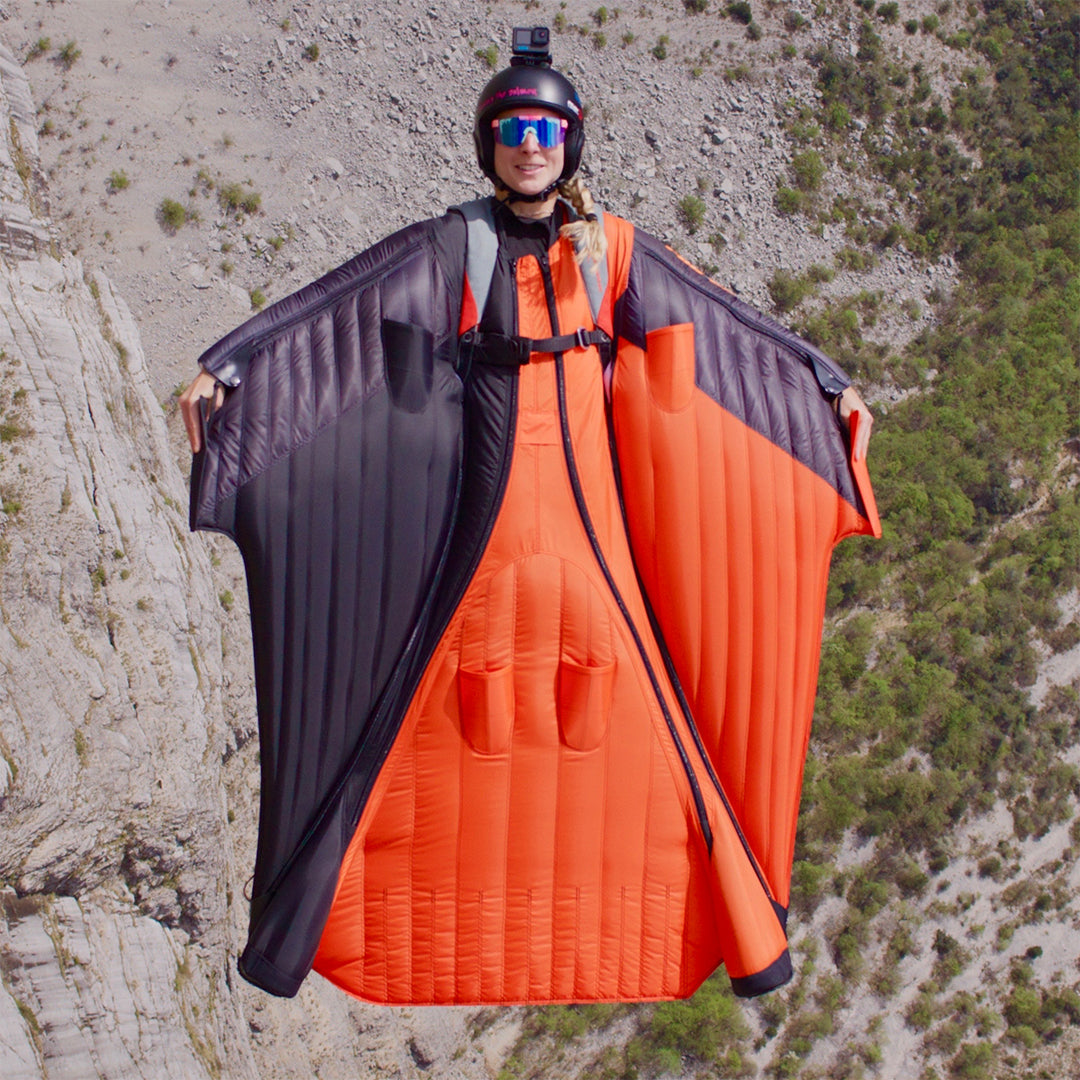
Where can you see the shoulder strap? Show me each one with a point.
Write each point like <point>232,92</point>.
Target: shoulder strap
<point>481,248</point>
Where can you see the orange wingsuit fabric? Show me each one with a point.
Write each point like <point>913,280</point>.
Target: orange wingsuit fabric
<point>532,835</point>
<point>745,643</point>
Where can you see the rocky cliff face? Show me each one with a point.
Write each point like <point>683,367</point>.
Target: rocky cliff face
<point>113,867</point>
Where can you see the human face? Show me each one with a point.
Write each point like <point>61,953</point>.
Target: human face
<point>529,168</point>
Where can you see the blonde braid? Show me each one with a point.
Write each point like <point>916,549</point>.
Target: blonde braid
<point>587,233</point>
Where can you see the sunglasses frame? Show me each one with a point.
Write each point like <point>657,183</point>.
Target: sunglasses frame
<point>529,123</point>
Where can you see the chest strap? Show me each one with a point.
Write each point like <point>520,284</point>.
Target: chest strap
<point>511,350</point>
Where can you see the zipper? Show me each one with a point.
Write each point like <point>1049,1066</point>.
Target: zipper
<point>594,542</point>
<point>408,680</point>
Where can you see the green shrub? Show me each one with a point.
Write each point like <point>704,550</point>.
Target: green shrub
<point>233,198</point>
<point>68,55</point>
<point>692,212</point>
<point>809,170</point>
<point>705,1028</point>
<point>974,1061</point>
<point>740,10</point>
<point>659,50</point>
<point>787,290</point>
<point>172,215</point>
<point>490,56</point>
<point>118,180</point>
<point>788,200</point>
<point>39,48</point>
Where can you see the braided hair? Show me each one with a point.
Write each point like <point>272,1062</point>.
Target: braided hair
<point>586,232</point>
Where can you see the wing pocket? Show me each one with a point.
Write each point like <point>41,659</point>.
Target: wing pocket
<point>408,357</point>
<point>670,365</point>
<point>486,699</point>
<point>584,702</point>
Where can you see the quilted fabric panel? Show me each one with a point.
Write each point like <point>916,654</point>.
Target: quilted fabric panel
<point>758,370</point>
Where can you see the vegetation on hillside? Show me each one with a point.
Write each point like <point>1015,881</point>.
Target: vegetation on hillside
<point>924,715</point>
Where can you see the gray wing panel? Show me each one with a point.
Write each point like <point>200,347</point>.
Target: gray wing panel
<point>335,465</point>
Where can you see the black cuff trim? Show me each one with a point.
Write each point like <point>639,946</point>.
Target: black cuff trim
<point>258,971</point>
<point>781,914</point>
<point>761,982</point>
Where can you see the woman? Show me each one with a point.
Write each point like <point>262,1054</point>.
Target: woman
<point>536,521</point>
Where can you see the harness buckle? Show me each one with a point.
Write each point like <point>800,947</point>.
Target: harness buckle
<point>520,349</point>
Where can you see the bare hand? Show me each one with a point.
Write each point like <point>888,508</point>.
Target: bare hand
<point>850,403</point>
<point>204,385</point>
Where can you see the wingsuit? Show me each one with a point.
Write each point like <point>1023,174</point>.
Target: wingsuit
<point>537,558</point>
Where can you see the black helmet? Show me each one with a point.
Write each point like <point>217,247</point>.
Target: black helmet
<point>529,80</point>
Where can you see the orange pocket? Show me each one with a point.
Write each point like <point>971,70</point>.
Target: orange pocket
<point>486,700</point>
<point>584,703</point>
<point>669,363</point>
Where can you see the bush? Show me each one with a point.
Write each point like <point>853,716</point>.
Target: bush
<point>973,1062</point>
<point>787,290</point>
<point>809,170</point>
<point>172,215</point>
<point>788,200</point>
<point>118,180</point>
<point>68,55</point>
<point>692,212</point>
<point>740,10</point>
<point>233,199</point>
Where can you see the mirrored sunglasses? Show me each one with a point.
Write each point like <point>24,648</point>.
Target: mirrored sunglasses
<point>511,130</point>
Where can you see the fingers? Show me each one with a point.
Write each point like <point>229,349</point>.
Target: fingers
<point>850,403</point>
<point>862,436</point>
<point>204,385</point>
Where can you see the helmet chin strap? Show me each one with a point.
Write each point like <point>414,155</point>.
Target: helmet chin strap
<point>518,196</point>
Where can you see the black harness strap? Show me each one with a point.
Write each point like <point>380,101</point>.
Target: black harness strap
<point>509,350</point>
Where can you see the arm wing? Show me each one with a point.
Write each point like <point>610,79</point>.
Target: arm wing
<point>737,484</point>
<point>333,463</point>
